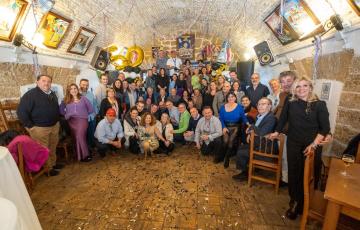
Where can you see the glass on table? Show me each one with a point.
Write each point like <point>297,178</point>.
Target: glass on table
<point>348,160</point>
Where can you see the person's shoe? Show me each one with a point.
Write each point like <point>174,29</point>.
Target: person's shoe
<point>226,162</point>
<point>102,155</point>
<point>87,159</point>
<point>291,212</point>
<point>240,176</point>
<point>283,184</point>
<point>58,166</point>
<point>217,160</point>
<point>53,172</point>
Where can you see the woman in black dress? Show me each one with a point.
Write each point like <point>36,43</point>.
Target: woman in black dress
<point>309,128</point>
<point>209,95</point>
<point>162,81</point>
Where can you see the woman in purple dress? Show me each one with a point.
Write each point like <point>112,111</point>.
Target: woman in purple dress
<point>76,109</point>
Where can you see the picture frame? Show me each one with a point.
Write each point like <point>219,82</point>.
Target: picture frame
<point>273,22</point>
<point>155,52</point>
<point>15,9</point>
<point>186,46</point>
<point>355,5</point>
<point>297,14</point>
<point>82,41</point>
<point>53,27</point>
<point>325,91</point>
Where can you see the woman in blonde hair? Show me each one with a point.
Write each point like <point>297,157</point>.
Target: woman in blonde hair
<point>76,110</point>
<point>220,82</point>
<point>309,128</point>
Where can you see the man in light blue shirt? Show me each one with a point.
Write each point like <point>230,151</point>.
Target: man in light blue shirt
<point>109,134</point>
<point>84,86</point>
<point>173,113</point>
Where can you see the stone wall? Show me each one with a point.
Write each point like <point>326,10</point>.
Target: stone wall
<point>13,75</point>
<point>344,67</point>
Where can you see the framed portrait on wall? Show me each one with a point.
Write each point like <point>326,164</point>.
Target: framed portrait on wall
<point>155,52</point>
<point>82,41</point>
<point>355,5</point>
<point>13,12</point>
<point>53,27</point>
<point>273,21</point>
<point>186,46</point>
<point>300,17</point>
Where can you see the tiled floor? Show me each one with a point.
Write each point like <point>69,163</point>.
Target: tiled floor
<point>183,191</point>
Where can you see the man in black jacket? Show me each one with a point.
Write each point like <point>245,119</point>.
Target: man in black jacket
<point>38,112</point>
<point>264,124</point>
<point>256,90</point>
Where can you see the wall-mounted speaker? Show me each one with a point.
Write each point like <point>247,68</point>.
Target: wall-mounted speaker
<point>264,53</point>
<point>100,59</point>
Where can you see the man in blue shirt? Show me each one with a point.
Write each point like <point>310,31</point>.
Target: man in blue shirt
<point>109,134</point>
<point>84,86</point>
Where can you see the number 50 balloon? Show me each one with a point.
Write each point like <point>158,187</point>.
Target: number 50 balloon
<point>133,57</point>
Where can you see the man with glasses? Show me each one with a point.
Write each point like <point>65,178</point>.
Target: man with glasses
<point>264,124</point>
<point>38,112</point>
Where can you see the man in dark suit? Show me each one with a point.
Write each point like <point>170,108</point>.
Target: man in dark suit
<point>264,124</point>
<point>256,90</point>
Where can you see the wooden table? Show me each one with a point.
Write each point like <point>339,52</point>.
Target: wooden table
<point>342,193</point>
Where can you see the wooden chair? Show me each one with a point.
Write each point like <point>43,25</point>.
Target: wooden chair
<point>266,158</point>
<point>29,178</point>
<point>65,145</point>
<point>8,117</point>
<point>357,159</point>
<point>314,204</point>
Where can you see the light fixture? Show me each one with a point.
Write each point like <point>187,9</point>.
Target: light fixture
<point>20,40</point>
<point>44,5</point>
<point>334,22</point>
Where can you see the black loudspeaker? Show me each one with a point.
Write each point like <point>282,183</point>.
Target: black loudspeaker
<point>263,53</point>
<point>100,59</point>
<point>244,71</point>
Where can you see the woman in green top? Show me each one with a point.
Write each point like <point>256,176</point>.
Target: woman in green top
<point>195,80</point>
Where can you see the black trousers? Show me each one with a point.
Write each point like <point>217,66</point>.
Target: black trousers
<point>102,149</point>
<point>164,148</point>
<point>214,147</point>
<point>296,161</point>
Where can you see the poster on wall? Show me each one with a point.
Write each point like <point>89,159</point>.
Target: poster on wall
<point>273,21</point>
<point>186,46</point>
<point>12,12</point>
<point>82,41</point>
<point>300,17</point>
<point>53,27</point>
<point>155,51</point>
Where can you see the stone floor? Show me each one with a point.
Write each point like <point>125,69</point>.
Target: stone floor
<point>183,191</point>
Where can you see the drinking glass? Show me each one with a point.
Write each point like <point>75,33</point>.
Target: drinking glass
<point>348,160</point>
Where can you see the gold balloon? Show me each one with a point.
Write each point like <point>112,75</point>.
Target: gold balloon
<point>135,56</point>
<point>112,48</point>
<point>118,66</point>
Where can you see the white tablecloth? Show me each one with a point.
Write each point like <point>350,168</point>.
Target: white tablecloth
<point>12,188</point>
<point>8,215</point>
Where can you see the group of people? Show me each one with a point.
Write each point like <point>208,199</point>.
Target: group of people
<point>190,106</point>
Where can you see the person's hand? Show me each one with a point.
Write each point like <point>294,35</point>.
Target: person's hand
<point>328,138</point>
<point>310,149</point>
<point>248,138</point>
<point>204,137</point>
<point>171,131</point>
<point>273,136</point>
<point>225,131</point>
<point>198,145</point>
<point>167,143</point>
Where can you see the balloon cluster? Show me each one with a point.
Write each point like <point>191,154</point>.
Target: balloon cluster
<point>127,59</point>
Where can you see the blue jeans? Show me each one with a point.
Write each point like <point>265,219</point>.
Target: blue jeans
<point>90,133</point>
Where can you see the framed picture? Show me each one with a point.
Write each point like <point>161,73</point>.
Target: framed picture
<point>355,4</point>
<point>186,46</point>
<point>155,51</point>
<point>14,11</point>
<point>273,21</point>
<point>325,91</point>
<point>53,27</point>
<point>300,17</point>
<point>82,41</point>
